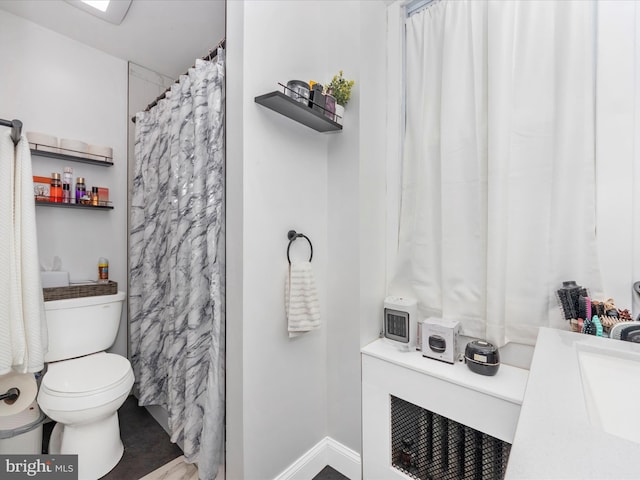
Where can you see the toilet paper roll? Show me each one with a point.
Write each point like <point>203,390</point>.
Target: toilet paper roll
<point>26,384</point>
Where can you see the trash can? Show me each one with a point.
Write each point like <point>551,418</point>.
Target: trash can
<point>21,433</point>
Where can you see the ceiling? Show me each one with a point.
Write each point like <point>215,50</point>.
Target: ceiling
<point>163,35</point>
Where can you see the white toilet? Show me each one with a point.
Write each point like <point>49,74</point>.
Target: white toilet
<point>84,386</point>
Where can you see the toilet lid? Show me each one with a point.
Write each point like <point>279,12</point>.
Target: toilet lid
<point>86,374</point>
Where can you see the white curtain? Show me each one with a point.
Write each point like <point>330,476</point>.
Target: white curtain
<point>498,193</point>
<point>176,257</point>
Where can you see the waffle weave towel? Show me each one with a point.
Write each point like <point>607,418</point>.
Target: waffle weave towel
<point>301,299</point>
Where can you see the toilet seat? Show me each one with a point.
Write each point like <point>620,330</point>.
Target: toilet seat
<point>85,382</point>
<point>86,375</point>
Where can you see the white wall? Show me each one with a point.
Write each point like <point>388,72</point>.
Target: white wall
<point>281,176</point>
<point>234,242</point>
<point>58,86</point>
<point>356,206</point>
<point>343,271</point>
<point>284,179</point>
<point>374,114</point>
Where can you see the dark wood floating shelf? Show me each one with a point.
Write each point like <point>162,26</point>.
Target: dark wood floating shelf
<point>287,106</point>
<point>71,158</point>
<point>45,203</point>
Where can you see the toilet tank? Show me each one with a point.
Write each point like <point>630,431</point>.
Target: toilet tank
<point>80,326</point>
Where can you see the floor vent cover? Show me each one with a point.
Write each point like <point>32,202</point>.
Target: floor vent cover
<point>428,446</point>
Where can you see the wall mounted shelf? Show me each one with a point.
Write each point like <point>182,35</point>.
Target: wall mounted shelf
<point>46,203</point>
<point>70,156</point>
<point>105,162</point>
<point>301,113</point>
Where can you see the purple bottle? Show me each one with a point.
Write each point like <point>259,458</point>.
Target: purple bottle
<point>81,190</point>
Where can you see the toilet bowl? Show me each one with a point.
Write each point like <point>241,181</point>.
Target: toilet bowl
<point>83,386</point>
<point>83,395</point>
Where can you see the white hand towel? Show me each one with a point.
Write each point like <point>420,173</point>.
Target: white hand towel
<point>301,299</point>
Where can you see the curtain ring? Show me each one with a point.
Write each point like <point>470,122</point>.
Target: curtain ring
<point>292,235</point>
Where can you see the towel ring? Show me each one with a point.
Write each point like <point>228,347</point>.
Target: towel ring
<point>292,235</point>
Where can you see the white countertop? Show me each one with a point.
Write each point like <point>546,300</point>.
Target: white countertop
<point>554,438</point>
<point>508,384</point>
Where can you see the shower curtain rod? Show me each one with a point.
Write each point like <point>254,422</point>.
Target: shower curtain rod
<point>213,53</point>
<point>16,129</point>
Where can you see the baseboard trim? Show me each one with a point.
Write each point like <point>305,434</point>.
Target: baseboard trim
<point>326,452</point>
<point>343,459</point>
<point>308,465</point>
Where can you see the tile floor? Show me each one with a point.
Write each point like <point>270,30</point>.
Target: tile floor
<point>149,454</point>
<point>178,470</point>
<point>146,445</point>
<point>329,473</point>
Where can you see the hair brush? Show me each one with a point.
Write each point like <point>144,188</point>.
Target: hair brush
<point>588,326</point>
<point>618,328</point>
<point>568,296</point>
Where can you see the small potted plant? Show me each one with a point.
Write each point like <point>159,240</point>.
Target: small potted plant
<point>340,88</point>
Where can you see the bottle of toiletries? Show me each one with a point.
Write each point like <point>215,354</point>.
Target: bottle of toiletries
<point>95,199</point>
<point>316,98</point>
<point>55,191</point>
<point>67,180</point>
<point>330,106</point>
<point>66,193</point>
<point>81,189</point>
<point>103,270</point>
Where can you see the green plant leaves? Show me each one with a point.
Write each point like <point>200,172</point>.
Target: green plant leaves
<point>340,88</point>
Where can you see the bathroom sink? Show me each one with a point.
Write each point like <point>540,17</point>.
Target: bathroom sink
<point>610,385</point>
<point>578,412</point>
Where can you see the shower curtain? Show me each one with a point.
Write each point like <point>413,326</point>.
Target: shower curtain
<point>176,256</point>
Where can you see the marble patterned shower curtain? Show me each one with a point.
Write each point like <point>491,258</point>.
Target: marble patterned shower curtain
<point>176,256</point>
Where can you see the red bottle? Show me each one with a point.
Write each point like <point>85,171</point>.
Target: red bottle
<point>55,192</point>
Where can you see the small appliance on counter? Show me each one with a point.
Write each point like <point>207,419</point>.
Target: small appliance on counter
<point>440,339</point>
<point>400,322</point>
<point>482,357</point>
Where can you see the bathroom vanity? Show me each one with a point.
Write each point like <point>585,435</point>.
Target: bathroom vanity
<point>578,419</point>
